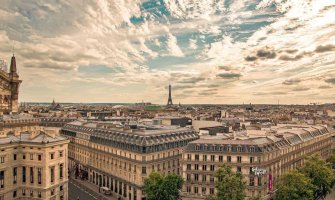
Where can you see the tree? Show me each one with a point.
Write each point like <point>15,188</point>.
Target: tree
<point>229,185</point>
<point>157,186</point>
<point>331,160</point>
<point>320,172</point>
<point>294,185</point>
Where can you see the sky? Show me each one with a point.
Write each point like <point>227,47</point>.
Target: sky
<point>210,51</point>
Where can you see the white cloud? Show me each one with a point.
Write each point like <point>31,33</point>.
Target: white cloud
<point>172,46</point>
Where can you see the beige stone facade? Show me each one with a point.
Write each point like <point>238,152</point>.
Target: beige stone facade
<point>9,89</point>
<point>33,160</point>
<point>269,153</point>
<point>121,157</point>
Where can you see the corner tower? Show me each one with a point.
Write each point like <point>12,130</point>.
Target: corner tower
<point>14,83</point>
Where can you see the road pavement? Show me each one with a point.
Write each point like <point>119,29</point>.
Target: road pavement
<point>76,191</point>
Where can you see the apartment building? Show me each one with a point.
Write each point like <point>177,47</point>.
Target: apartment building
<point>262,156</point>
<point>120,157</point>
<point>33,160</point>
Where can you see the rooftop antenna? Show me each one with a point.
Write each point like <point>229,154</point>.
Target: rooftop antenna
<point>13,48</point>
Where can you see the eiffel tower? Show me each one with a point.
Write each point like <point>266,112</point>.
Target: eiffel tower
<point>169,103</point>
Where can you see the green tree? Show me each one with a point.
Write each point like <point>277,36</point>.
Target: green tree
<point>320,172</point>
<point>294,186</point>
<point>229,185</point>
<point>331,160</point>
<point>157,186</point>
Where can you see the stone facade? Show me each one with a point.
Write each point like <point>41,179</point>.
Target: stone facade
<point>9,89</point>
<point>121,157</point>
<point>261,156</point>
<point>33,160</point>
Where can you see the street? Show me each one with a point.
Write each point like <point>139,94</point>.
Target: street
<point>76,191</point>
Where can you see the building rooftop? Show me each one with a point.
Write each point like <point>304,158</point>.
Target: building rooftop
<point>279,136</point>
<point>27,137</point>
<point>134,137</point>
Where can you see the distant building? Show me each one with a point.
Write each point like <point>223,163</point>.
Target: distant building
<point>55,106</point>
<point>262,156</point>
<point>214,130</point>
<point>173,121</point>
<point>120,157</point>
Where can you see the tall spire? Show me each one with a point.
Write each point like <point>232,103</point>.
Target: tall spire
<point>169,103</point>
<point>13,65</point>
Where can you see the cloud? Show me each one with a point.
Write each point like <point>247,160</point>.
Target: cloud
<point>325,48</point>
<point>291,82</point>
<point>263,53</point>
<point>235,47</point>
<point>193,44</point>
<point>229,75</point>
<point>250,58</point>
<point>330,80</point>
<point>290,58</point>
<point>172,46</point>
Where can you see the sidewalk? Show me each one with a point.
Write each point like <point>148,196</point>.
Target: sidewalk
<point>92,189</point>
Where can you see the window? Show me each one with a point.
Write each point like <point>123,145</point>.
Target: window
<point>196,167</point>
<point>52,174</point>
<point>52,192</point>
<point>251,159</point>
<point>14,194</point>
<point>212,158</point>
<point>39,175</point>
<point>188,167</point>
<point>31,193</point>
<point>61,154</point>
<point>61,169</point>
<point>220,158</point>
<point>196,157</point>
<point>188,177</point>
<point>204,167</point>
<point>2,179</point>
<point>204,178</point>
<point>204,157</point>
<point>239,159</point>
<point>24,156</point>
<point>31,156</point>
<point>238,169</point>
<point>39,194</point>
<point>2,159</point>
<point>144,170</point>
<point>23,192</point>
<point>31,175</point>
<point>14,157</point>
<point>188,156</point>
<point>228,158</point>
<point>61,188</point>
<point>211,179</point>
<point>24,174</point>
<point>196,177</point>
<point>212,168</point>
<point>39,157</point>
<point>14,175</point>
<point>52,156</point>
<point>188,189</point>
<point>196,190</point>
<point>211,191</point>
<point>203,190</point>
<point>251,181</point>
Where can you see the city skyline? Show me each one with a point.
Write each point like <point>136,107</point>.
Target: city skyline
<point>219,52</point>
